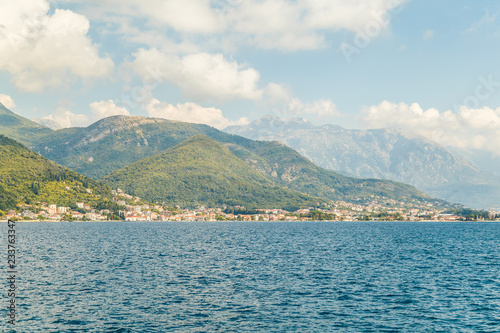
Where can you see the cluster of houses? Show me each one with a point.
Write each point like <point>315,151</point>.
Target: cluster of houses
<point>132,209</point>
<point>58,213</point>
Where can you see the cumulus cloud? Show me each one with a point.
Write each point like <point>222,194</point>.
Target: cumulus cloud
<point>7,101</point>
<point>41,50</point>
<point>271,24</point>
<point>280,99</point>
<point>105,109</point>
<point>150,36</point>
<point>191,112</point>
<point>277,94</point>
<point>211,77</point>
<point>297,25</point>
<point>64,118</point>
<point>188,16</point>
<point>468,128</point>
<point>192,16</point>
<point>274,24</point>
<point>200,76</point>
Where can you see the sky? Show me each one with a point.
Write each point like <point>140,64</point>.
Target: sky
<point>426,66</point>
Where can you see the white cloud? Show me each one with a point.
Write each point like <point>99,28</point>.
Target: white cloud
<point>211,77</point>
<point>7,101</point>
<point>105,109</point>
<point>274,24</point>
<point>187,16</point>
<point>191,112</point>
<point>200,76</point>
<point>271,24</point>
<point>277,94</point>
<point>296,25</point>
<point>192,16</point>
<point>280,99</point>
<point>302,24</point>
<point>154,37</point>
<point>41,50</point>
<point>428,34</point>
<point>468,128</point>
<point>486,20</point>
<point>63,118</point>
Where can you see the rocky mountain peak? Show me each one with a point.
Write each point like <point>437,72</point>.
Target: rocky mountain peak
<point>394,154</point>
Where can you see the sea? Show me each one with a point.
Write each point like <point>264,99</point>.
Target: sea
<point>254,277</point>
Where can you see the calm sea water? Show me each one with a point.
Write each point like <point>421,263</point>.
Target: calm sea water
<point>257,277</point>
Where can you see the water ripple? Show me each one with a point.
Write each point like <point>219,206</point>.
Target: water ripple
<point>258,277</point>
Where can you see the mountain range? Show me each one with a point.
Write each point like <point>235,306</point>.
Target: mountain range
<point>116,149</point>
<point>382,153</point>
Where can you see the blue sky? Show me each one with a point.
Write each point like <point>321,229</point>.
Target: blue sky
<point>427,66</point>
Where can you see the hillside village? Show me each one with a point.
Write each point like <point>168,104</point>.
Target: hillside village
<point>133,209</point>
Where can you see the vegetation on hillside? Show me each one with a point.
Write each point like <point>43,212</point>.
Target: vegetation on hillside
<point>20,128</point>
<point>200,171</point>
<point>290,169</point>
<point>469,214</point>
<point>28,178</point>
<point>112,143</point>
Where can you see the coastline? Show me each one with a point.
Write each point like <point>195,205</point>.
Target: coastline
<point>324,221</point>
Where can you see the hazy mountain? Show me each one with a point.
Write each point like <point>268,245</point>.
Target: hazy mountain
<point>487,161</point>
<point>201,171</point>
<point>47,123</point>
<point>289,168</point>
<point>382,153</point>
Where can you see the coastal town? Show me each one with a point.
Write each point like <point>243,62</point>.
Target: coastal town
<point>133,209</point>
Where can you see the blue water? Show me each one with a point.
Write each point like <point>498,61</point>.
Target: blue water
<point>257,277</point>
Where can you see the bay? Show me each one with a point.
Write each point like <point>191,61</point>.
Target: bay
<point>257,277</point>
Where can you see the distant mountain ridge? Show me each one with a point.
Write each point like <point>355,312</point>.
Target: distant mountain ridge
<point>49,123</point>
<point>384,154</point>
<point>116,142</point>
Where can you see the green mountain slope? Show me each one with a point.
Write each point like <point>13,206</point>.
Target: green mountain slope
<point>115,142</point>
<point>27,177</point>
<point>112,143</point>
<point>200,171</point>
<point>20,128</point>
<point>290,169</point>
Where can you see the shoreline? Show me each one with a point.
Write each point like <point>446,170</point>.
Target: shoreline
<point>325,221</point>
